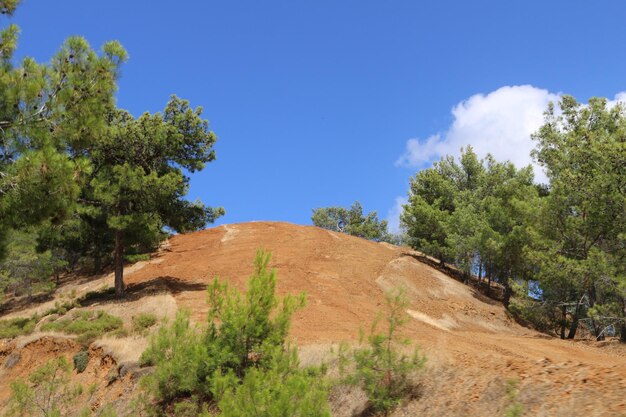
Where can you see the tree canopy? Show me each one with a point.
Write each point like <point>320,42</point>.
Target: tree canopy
<point>559,250</point>
<point>351,221</point>
<point>580,256</point>
<point>88,179</point>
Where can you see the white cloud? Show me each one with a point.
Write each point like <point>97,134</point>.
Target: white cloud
<point>619,98</point>
<point>393,215</point>
<point>499,123</point>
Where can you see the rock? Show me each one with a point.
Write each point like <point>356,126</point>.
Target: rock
<point>126,367</point>
<point>113,375</point>
<point>140,372</point>
<point>12,360</point>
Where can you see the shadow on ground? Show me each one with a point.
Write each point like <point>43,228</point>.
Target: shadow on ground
<point>135,292</point>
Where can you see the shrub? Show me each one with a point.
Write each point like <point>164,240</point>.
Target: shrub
<point>515,408</point>
<point>81,359</point>
<point>281,389</point>
<point>62,307</point>
<point>244,331</point>
<point>542,317</point>
<point>178,352</point>
<point>143,322</point>
<point>24,270</point>
<point>16,327</point>
<point>88,325</point>
<point>50,393</point>
<point>244,338</point>
<point>118,333</point>
<point>137,257</point>
<point>379,368</point>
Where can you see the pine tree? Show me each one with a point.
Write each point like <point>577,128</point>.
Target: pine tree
<point>351,221</point>
<point>583,151</point>
<point>46,109</point>
<point>137,185</point>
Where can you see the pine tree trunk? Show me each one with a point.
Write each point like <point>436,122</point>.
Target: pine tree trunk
<point>119,263</point>
<point>563,320</point>
<point>622,335</point>
<point>489,279</point>
<point>97,259</point>
<point>506,297</point>
<point>592,301</point>
<point>97,263</point>
<point>574,327</point>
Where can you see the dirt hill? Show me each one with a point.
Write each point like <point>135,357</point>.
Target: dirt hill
<point>472,346</point>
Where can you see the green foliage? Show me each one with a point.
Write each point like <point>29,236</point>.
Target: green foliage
<point>62,307</point>
<point>81,359</point>
<point>381,368</point>
<point>531,312</point>
<point>134,258</point>
<point>583,221</point>
<point>244,331</point>
<point>178,354</point>
<point>431,201</point>
<point>281,388</point>
<point>16,327</point>
<point>561,245</point>
<point>351,221</point>
<point>46,109</point>
<point>25,271</point>
<point>474,213</point>
<point>137,185</point>
<point>8,6</point>
<point>88,325</point>
<point>95,179</point>
<point>50,393</point>
<point>143,321</point>
<point>515,408</point>
<point>242,345</point>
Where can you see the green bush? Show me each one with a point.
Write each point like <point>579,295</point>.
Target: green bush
<point>384,373</point>
<point>137,257</point>
<point>515,408</point>
<point>51,393</point>
<point>281,389</point>
<point>244,331</point>
<point>24,270</point>
<point>88,325</point>
<point>178,353</point>
<point>243,339</point>
<point>143,322</point>
<point>81,359</point>
<point>62,307</point>
<point>16,327</point>
<point>540,316</point>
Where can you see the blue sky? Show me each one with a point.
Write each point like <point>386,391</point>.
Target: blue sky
<point>326,102</point>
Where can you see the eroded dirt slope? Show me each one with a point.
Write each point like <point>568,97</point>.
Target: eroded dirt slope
<point>345,279</point>
<point>472,345</point>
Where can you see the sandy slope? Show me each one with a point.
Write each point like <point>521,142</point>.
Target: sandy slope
<point>471,343</point>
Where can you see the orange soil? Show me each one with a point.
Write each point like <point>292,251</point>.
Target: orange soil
<point>345,279</point>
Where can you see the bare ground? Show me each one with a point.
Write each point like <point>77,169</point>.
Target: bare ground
<point>473,347</point>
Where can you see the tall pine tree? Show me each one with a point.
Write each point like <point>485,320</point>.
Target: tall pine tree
<point>137,185</point>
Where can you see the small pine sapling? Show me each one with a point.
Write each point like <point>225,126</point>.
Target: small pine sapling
<point>380,367</point>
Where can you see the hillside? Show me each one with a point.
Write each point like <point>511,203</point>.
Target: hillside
<point>473,347</point>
